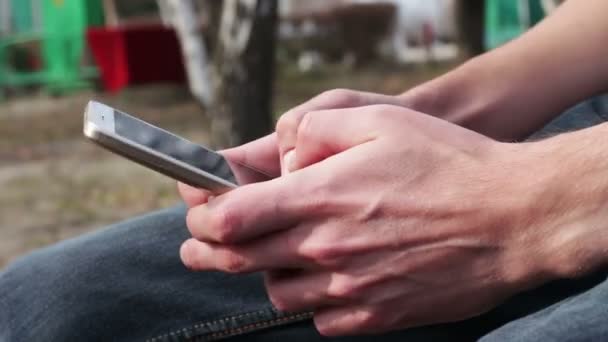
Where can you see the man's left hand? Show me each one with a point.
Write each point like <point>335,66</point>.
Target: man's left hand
<point>389,219</point>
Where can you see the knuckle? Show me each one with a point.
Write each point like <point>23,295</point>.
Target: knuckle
<point>321,193</point>
<point>320,254</point>
<point>327,330</point>
<point>359,322</point>
<point>343,289</point>
<point>306,127</point>
<point>279,301</point>
<point>339,97</point>
<point>283,195</point>
<point>224,226</point>
<point>325,187</point>
<point>388,113</point>
<point>368,321</point>
<point>384,110</point>
<point>192,223</point>
<point>188,256</point>
<point>233,263</point>
<point>288,122</point>
<point>320,204</point>
<point>323,253</point>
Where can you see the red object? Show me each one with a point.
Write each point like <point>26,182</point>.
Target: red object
<point>136,55</point>
<point>428,34</point>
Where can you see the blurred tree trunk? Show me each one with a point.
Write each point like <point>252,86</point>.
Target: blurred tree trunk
<point>183,16</point>
<point>470,21</point>
<point>212,13</point>
<point>110,13</point>
<point>244,60</point>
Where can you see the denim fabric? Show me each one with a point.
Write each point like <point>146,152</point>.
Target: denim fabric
<point>585,114</point>
<point>126,283</point>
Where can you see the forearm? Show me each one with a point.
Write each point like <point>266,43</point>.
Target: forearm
<point>510,92</point>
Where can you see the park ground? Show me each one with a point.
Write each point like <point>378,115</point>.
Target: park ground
<point>55,185</point>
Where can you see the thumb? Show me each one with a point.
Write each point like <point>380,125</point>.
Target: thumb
<point>261,154</point>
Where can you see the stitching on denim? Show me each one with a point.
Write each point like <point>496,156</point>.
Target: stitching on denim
<point>259,325</point>
<point>234,331</point>
<point>198,325</point>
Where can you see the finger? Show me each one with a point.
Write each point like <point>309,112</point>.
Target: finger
<point>260,255</point>
<point>346,320</point>
<point>306,290</point>
<point>334,99</point>
<point>253,210</point>
<point>193,196</point>
<point>261,154</point>
<point>324,133</point>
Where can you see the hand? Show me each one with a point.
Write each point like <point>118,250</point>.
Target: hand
<point>398,219</point>
<point>332,99</point>
<point>263,154</point>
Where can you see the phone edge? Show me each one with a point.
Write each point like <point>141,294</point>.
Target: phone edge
<point>155,161</point>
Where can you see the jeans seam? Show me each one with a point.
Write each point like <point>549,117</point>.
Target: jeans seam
<point>198,325</point>
<point>260,325</point>
<point>234,331</point>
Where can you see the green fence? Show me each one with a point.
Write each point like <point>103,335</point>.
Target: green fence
<point>507,19</point>
<point>59,43</point>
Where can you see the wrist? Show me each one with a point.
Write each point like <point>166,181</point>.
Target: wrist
<point>491,95</point>
<point>464,96</point>
<point>572,222</point>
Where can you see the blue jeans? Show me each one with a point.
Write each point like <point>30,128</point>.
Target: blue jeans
<point>127,283</point>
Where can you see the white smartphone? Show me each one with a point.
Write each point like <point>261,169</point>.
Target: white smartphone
<point>165,152</point>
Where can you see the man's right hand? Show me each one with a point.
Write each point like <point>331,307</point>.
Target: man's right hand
<point>505,94</point>
<point>263,154</point>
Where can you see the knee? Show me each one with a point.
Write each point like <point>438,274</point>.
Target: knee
<point>29,289</point>
<point>47,294</point>
<point>52,291</point>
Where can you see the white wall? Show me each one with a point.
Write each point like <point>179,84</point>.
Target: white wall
<point>412,13</point>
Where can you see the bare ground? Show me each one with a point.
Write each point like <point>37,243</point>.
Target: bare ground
<point>55,185</point>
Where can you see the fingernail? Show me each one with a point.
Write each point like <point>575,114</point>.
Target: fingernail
<point>289,160</point>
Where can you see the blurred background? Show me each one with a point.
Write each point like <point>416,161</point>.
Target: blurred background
<point>218,72</point>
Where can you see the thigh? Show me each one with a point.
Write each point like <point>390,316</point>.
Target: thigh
<point>580,313</point>
<point>127,281</point>
<point>585,114</point>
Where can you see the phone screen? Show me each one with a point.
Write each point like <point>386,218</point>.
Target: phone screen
<point>183,150</point>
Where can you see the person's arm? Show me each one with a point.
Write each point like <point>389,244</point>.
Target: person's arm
<point>505,94</point>
<point>510,92</point>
